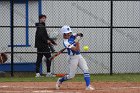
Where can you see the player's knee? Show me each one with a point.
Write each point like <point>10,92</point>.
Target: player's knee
<point>71,76</point>
<point>67,77</point>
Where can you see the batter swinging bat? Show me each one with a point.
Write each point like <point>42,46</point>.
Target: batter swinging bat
<point>62,50</point>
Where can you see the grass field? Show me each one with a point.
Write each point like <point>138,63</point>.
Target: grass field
<point>29,77</point>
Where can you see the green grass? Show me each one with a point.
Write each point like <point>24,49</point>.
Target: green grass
<point>77,78</point>
<point>118,78</point>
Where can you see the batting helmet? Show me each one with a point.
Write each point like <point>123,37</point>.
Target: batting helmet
<point>65,29</point>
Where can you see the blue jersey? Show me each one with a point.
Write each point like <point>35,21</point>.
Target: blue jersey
<point>69,43</point>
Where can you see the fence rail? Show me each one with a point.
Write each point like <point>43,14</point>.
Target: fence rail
<point>111,29</point>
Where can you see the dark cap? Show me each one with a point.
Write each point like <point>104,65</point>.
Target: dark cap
<point>40,16</point>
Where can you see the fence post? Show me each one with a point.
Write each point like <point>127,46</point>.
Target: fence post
<point>12,34</point>
<point>111,37</point>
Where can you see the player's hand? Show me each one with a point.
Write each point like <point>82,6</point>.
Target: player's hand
<point>77,39</point>
<point>80,34</point>
<point>49,42</point>
<point>54,43</point>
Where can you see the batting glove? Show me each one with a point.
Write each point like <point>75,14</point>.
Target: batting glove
<point>80,34</point>
<point>77,39</point>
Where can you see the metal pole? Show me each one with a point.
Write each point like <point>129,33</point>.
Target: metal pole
<point>111,37</point>
<point>39,7</point>
<point>12,35</point>
<point>27,19</point>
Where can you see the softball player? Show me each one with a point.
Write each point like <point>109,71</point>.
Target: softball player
<point>71,42</point>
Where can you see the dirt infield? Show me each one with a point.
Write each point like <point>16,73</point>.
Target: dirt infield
<point>69,87</point>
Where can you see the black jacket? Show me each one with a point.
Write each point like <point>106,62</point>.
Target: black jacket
<point>41,36</point>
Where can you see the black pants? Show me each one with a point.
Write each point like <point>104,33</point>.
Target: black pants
<point>40,56</point>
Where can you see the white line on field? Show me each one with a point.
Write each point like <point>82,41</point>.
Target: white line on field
<point>46,91</point>
<point>49,91</point>
<point>4,86</point>
<point>23,87</point>
<point>116,88</point>
<point>43,91</point>
<point>13,92</point>
<point>125,87</point>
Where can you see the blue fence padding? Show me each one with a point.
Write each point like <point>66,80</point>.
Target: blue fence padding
<point>19,67</point>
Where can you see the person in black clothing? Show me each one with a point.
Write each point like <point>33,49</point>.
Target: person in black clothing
<point>43,44</point>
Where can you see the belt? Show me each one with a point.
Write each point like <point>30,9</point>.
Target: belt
<point>74,54</point>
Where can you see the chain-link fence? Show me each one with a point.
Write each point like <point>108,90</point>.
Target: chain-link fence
<point>111,29</point>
